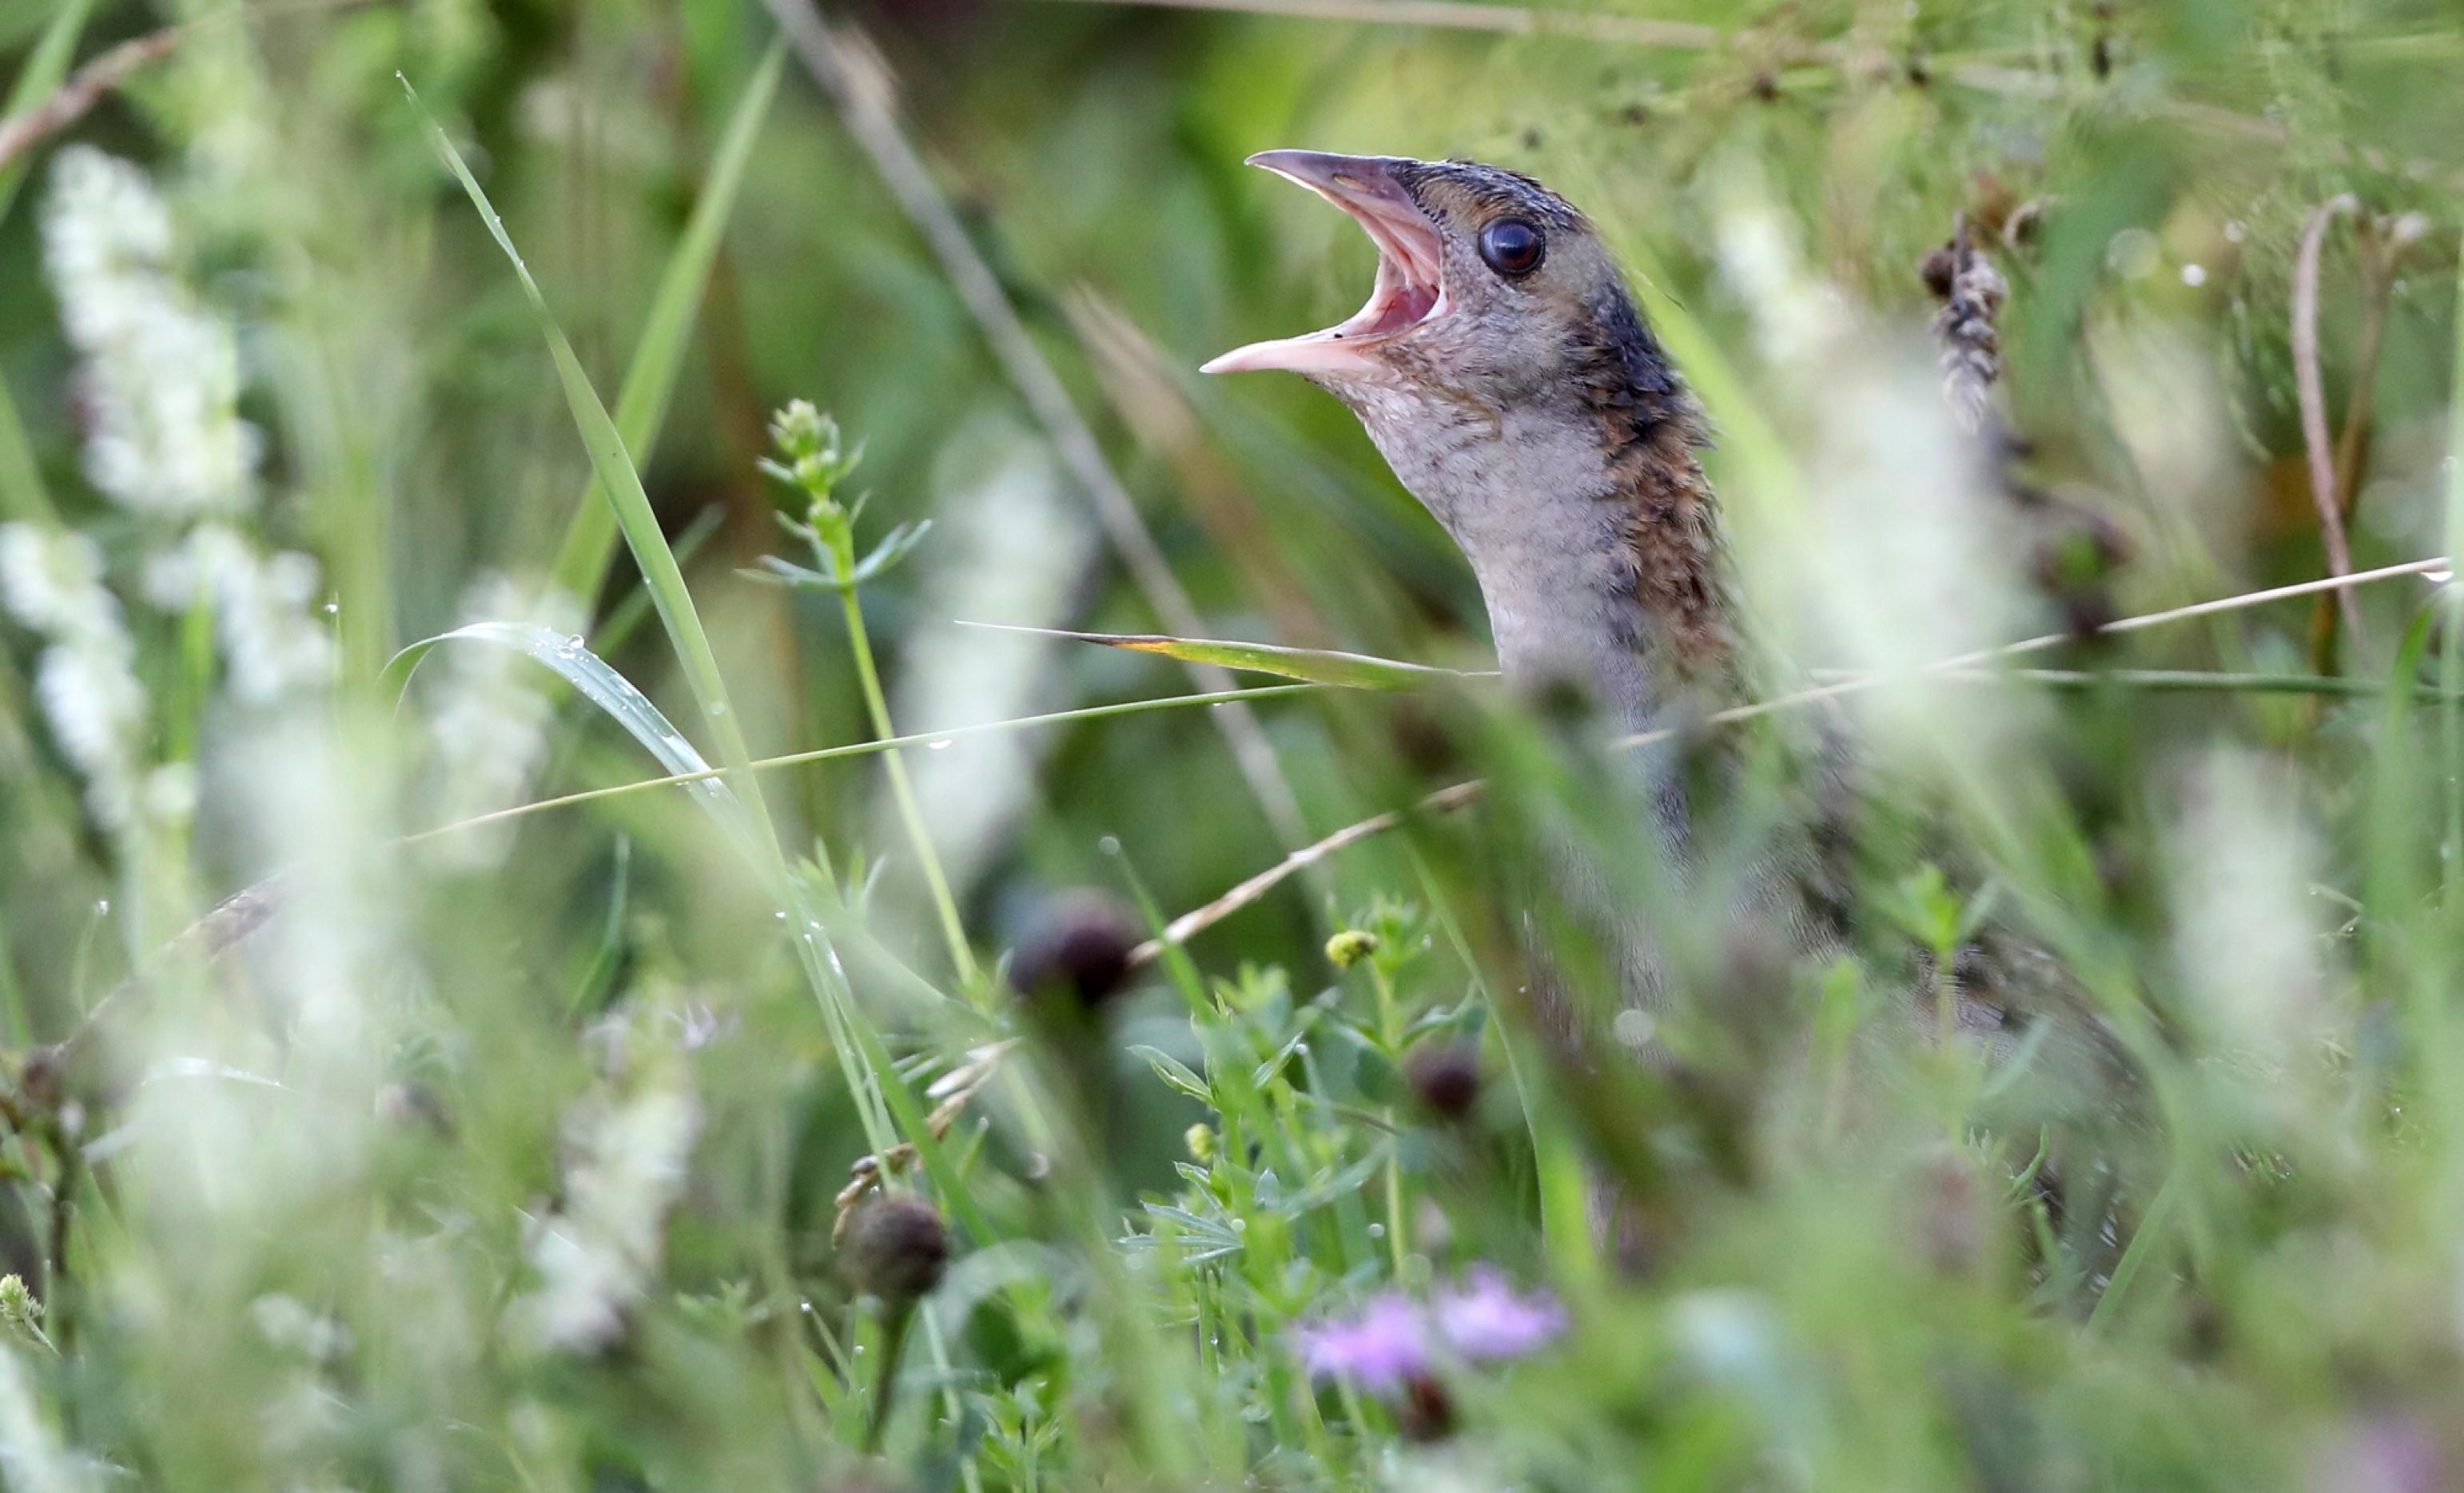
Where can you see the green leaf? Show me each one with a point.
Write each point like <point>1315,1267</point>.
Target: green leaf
<point>1176,1073</point>
<point>1316,666</point>
<point>1342,1184</point>
<point>642,402</point>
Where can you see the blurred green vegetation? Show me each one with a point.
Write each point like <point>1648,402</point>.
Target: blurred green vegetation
<point>514,1156</point>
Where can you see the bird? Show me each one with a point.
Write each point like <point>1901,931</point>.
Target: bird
<point>1503,368</point>
<point>1505,371</point>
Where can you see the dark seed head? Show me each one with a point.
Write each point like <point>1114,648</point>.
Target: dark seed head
<point>1077,951</point>
<point>1427,1412</point>
<point>1446,1076</point>
<point>1938,270</point>
<point>896,1249</point>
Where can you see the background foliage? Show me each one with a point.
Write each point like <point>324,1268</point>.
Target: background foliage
<point>513,1155</point>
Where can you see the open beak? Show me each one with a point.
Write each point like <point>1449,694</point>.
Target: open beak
<point>1411,285</point>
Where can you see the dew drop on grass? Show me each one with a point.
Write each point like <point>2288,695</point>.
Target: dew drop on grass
<point>938,746</point>
<point>1109,845</point>
<point>1377,1231</point>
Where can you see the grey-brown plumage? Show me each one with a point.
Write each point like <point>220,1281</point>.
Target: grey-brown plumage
<point>1504,371</point>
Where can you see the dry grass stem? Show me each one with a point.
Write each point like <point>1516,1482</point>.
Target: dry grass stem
<point>2311,388</point>
<point>1198,920</point>
<point>857,80</point>
<point>1506,20</point>
<point>84,89</point>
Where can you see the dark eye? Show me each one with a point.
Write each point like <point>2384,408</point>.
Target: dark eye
<point>1511,247</point>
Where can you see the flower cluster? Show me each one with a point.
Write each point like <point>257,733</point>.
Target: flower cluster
<point>489,715</point>
<point>159,384</point>
<point>262,606</point>
<point>596,1252</point>
<point>160,375</point>
<point>86,683</point>
<point>1395,1342</point>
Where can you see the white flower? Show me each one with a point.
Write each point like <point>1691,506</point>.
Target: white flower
<point>595,1254</point>
<point>86,679</point>
<point>160,375</point>
<point>52,580</point>
<point>263,608</point>
<point>30,1449</point>
<point>488,718</point>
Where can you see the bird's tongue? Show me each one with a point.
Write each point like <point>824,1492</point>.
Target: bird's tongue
<point>1410,283</point>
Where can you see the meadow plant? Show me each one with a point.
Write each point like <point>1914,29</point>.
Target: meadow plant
<point>512,1065</point>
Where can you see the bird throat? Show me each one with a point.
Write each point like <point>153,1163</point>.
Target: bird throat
<point>1593,535</point>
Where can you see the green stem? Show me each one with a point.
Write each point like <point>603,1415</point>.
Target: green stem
<point>885,1390</point>
<point>860,644</point>
<point>1390,1034</point>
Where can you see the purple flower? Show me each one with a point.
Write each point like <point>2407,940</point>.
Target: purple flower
<point>1384,1347</point>
<point>1486,1320</point>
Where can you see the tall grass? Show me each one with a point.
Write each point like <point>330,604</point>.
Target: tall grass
<point>561,1106</point>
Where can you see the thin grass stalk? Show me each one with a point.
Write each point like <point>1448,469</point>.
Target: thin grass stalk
<point>861,90</point>
<point>76,97</point>
<point>2450,653</point>
<point>1506,20</point>
<point>1974,73</point>
<point>23,496</point>
<point>2311,390</point>
<point>46,64</point>
<point>873,1080</point>
<point>1457,795</point>
<point>902,790</point>
<point>591,537</point>
<point>924,738</point>
<point>2382,263</point>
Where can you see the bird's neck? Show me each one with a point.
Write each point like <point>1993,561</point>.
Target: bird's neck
<point>1593,536</point>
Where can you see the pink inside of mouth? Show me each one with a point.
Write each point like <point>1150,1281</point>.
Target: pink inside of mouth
<point>1410,288</point>
<point>1410,278</point>
<point>1399,303</point>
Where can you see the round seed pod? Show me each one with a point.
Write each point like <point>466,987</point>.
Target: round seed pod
<point>1077,951</point>
<point>896,1249</point>
<point>1446,1078</point>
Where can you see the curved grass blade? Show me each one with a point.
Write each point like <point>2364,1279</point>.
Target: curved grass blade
<point>1313,665</point>
<point>614,466</point>
<point>599,683</point>
<point>642,401</point>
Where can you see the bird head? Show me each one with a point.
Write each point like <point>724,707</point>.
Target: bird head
<point>1489,286</point>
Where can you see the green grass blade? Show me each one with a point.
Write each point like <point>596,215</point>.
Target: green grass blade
<point>22,494</point>
<point>45,66</point>
<point>623,485</point>
<point>1311,665</point>
<point>642,402</point>
<point>599,683</point>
